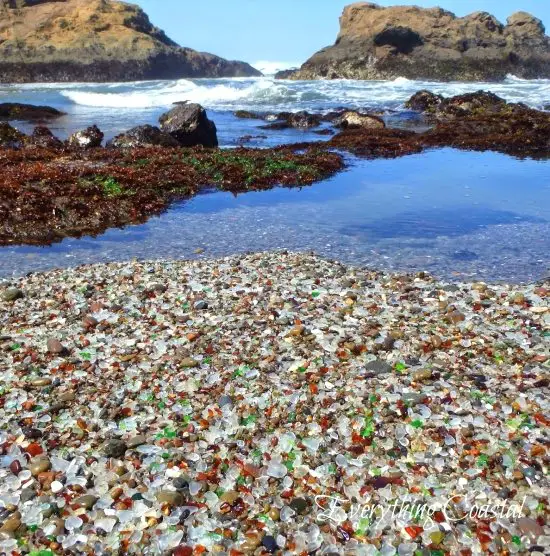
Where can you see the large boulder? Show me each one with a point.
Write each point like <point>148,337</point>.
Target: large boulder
<point>143,136</point>
<point>432,44</point>
<point>88,138</point>
<point>27,112</point>
<point>188,124</point>
<point>96,41</point>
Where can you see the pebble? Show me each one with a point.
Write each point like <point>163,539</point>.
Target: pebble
<point>12,523</point>
<point>55,346</point>
<point>379,367</point>
<point>201,305</point>
<point>39,464</point>
<point>225,400</point>
<point>136,441</point>
<point>87,501</point>
<point>12,294</point>
<point>171,497</point>
<point>422,375</point>
<point>189,363</point>
<point>56,487</point>
<point>114,448</point>
<point>299,505</point>
<point>413,398</point>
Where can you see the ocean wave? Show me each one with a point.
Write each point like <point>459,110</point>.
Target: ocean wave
<point>268,94</point>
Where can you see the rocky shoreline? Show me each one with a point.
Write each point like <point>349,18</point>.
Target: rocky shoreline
<point>52,189</point>
<point>220,405</point>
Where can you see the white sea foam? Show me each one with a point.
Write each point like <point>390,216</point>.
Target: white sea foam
<point>270,94</point>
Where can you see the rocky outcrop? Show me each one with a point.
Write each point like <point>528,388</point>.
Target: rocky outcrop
<point>189,126</point>
<point>95,40</point>
<point>27,112</point>
<point>416,43</point>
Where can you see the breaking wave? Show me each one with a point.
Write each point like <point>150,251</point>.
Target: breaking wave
<point>270,94</point>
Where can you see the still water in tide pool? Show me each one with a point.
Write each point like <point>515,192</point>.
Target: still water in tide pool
<point>459,215</point>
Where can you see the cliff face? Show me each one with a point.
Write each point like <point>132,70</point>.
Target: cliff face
<point>407,41</point>
<point>95,40</point>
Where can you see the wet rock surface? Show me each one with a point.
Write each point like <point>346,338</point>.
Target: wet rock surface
<point>88,138</point>
<point>323,413</point>
<point>189,125</point>
<point>143,136</point>
<point>27,112</point>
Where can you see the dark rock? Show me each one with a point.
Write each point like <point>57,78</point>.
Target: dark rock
<point>247,138</point>
<point>143,136</point>
<point>481,103</point>
<point>431,44</point>
<point>180,483</point>
<point>10,137</point>
<point>88,138</point>
<point>201,305</point>
<point>27,112</point>
<point>189,125</point>
<point>424,101</point>
<point>297,120</point>
<point>379,367</point>
<point>246,115</point>
<point>303,120</point>
<point>270,544</point>
<point>43,137</point>
<point>114,448</point>
<point>299,505</point>
<point>276,126</point>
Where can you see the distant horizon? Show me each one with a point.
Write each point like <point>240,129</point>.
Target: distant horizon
<point>288,33</point>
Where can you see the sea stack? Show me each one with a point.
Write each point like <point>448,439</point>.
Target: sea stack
<point>432,44</point>
<point>95,41</point>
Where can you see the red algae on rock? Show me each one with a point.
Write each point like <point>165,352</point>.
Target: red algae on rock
<point>49,194</point>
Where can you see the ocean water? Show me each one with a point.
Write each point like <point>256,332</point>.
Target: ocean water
<point>460,215</point>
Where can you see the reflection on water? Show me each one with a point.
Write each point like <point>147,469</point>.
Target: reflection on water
<point>457,214</point>
<point>431,223</point>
